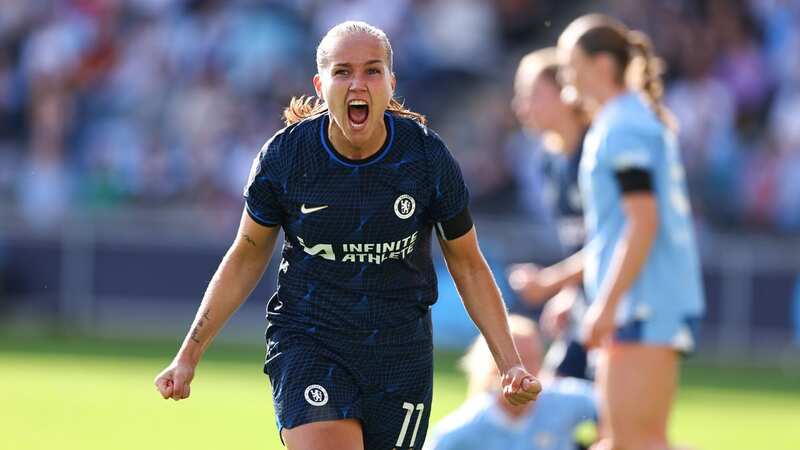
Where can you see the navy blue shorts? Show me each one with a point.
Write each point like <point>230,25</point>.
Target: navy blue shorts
<point>383,378</point>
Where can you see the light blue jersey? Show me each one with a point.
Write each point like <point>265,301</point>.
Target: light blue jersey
<point>480,424</point>
<point>667,295</point>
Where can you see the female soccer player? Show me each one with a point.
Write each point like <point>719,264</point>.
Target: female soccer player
<point>640,264</point>
<point>539,108</point>
<point>357,183</point>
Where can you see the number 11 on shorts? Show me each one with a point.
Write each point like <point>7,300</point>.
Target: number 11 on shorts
<point>409,407</point>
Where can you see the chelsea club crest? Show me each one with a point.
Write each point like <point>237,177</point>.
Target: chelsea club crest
<point>404,206</point>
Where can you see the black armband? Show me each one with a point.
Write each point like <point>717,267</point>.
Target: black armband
<point>634,180</point>
<point>456,226</point>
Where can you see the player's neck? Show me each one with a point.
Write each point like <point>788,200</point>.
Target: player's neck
<point>352,151</point>
<point>607,93</point>
<point>570,132</point>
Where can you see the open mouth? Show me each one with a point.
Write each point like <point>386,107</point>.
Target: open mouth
<point>357,113</point>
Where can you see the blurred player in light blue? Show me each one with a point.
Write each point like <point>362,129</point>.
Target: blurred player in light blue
<point>640,265</point>
<point>486,422</point>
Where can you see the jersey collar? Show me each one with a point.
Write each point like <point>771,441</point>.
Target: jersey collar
<point>388,119</point>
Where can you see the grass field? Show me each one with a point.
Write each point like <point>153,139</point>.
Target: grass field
<point>76,394</point>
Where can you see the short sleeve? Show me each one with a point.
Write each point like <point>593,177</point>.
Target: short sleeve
<point>450,194</point>
<point>628,148</point>
<point>261,192</point>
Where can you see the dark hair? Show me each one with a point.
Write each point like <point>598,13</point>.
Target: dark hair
<point>631,50</point>
<point>302,107</point>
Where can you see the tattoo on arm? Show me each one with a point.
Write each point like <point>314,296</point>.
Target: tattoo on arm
<point>200,323</point>
<point>249,240</point>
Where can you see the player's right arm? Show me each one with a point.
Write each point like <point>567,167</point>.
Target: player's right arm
<point>234,280</point>
<point>536,285</point>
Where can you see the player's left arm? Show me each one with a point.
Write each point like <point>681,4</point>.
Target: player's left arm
<point>630,255</point>
<point>483,302</point>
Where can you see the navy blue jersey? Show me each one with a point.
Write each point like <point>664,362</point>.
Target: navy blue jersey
<point>567,357</point>
<point>357,249</point>
<point>569,209</point>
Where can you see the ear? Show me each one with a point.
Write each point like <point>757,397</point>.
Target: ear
<point>394,83</point>
<point>317,82</point>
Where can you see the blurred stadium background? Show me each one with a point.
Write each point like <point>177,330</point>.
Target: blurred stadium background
<point>127,129</point>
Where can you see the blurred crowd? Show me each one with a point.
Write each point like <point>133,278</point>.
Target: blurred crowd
<point>734,85</point>
<point>152,103</point>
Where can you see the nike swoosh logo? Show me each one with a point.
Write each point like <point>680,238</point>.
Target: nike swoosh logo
<point>305,210</point>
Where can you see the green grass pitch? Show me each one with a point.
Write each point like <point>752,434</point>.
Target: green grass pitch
<point>76,394</point>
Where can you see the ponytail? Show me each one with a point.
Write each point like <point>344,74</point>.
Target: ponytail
<point>638,67</point>
<point>644,74</point>
<point>303,107</point>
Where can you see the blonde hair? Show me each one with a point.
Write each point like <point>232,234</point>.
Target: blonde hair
<point>639,67</point>
<point>478,363</point>
<point>349,28</point>
<point>302,107</point>
<point>544,63</point>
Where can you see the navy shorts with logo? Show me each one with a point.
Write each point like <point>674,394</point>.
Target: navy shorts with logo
<point>383,378</point>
